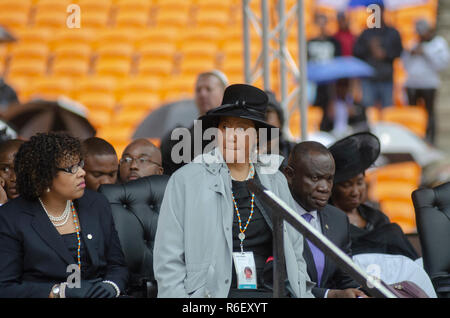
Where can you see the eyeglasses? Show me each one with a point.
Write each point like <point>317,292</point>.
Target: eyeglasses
<point>141,161</point>
<point>73,169</point>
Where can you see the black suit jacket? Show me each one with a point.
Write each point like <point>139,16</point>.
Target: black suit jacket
<point>335,226</point>
<point>33,256</point>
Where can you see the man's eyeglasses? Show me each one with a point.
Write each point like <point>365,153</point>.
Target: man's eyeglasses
<point>74,168</point>
<point>141,161</point>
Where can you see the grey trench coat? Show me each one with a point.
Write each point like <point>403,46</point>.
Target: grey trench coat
<point>193,243</point>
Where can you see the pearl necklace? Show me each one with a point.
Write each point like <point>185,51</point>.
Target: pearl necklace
<point>58,220</point>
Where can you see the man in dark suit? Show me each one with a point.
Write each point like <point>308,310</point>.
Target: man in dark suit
<point>310,173</point>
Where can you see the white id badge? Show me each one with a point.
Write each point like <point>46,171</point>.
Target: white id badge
<point>244,264</point>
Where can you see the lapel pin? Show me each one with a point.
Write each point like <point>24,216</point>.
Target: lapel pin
<point>89,236</point>
<point>326,226</point>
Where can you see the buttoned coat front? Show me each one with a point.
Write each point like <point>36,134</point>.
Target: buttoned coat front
<point>193,243</point>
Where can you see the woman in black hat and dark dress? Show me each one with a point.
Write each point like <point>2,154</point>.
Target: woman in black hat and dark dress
<point>211,226</point>
<point>370,229</point>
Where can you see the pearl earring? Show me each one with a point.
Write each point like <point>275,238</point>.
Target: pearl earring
<point>48,189</point>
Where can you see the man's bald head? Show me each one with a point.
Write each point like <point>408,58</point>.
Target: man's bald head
<point>310,174</point>
<point>140,158</point>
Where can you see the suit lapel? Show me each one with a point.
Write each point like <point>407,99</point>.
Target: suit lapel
<point>309,259</point>
<point>324,223</point>
<point>47,231</point>
<point>90,230</point>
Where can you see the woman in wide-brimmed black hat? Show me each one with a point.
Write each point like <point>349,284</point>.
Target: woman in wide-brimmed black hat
<point>370,230</point>
<point>209,217</point>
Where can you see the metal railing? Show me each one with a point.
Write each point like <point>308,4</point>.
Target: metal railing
<point>283,213</point>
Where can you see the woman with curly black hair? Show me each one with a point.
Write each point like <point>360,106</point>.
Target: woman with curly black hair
<point>57,239</point>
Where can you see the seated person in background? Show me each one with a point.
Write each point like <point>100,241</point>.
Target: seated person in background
<point>275,117</point>
<point>8,150</point>
<point>310,172</point>
<point>141,158</point>
<point>100,162</point>
<point>209,88</point>
<point>344,112</point>
<point>370,229</point>
<point>58,239</point>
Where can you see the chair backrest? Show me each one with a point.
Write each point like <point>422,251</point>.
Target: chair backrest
<point>135,207</point>
<point>432,207</point>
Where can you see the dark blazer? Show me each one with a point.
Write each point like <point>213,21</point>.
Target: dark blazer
<point>335,226</point>
<point>33,256</point>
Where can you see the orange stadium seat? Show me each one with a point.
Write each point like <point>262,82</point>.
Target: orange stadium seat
<point>13,20</point>
<point>118,69</point>
<point>134,5</point>
<point>219,19</point>
<point>73,51</point>
<point>32,36</point>
<point>30,52</point>
<point>391,190</point>
<point>412,117</point>
<point>206,5</point>
<point>70,68</point>
<point>115,52</point>
<point>203,35</point>
<point>51,19</point>
<point>95,84</point>
<point>116,134</point>
<point>163,51</point>
<point>404,171</point>
<point>53,5</point>
<point>50,87</point>
<point>131,19</point>
<point>95,6</point>
<point>157,36</point>
<point>173,5</point>
<point>155,68</point>
<point>94,19</point>
<point>139,102</point>
<point>194,66</point>
<point>73,37</point>
<point>100,107</point>
<point>400,212</point>
<point>141,84</point>
<point>172,19</point>
<point>115,36</point>
<point>128,120</point>
<point>15,6</point>
<point>26,68</point>
<point>314,118</point>
<point>205,51</point>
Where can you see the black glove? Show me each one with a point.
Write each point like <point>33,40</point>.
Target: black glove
<point>101,290</point>
<point>74,292</point>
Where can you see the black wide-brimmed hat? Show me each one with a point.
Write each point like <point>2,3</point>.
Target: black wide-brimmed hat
<point>243,101</point>
<point>354,154</point>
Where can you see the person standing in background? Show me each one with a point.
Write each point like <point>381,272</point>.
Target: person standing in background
<point>379,47</point>
<point>422,64</point>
